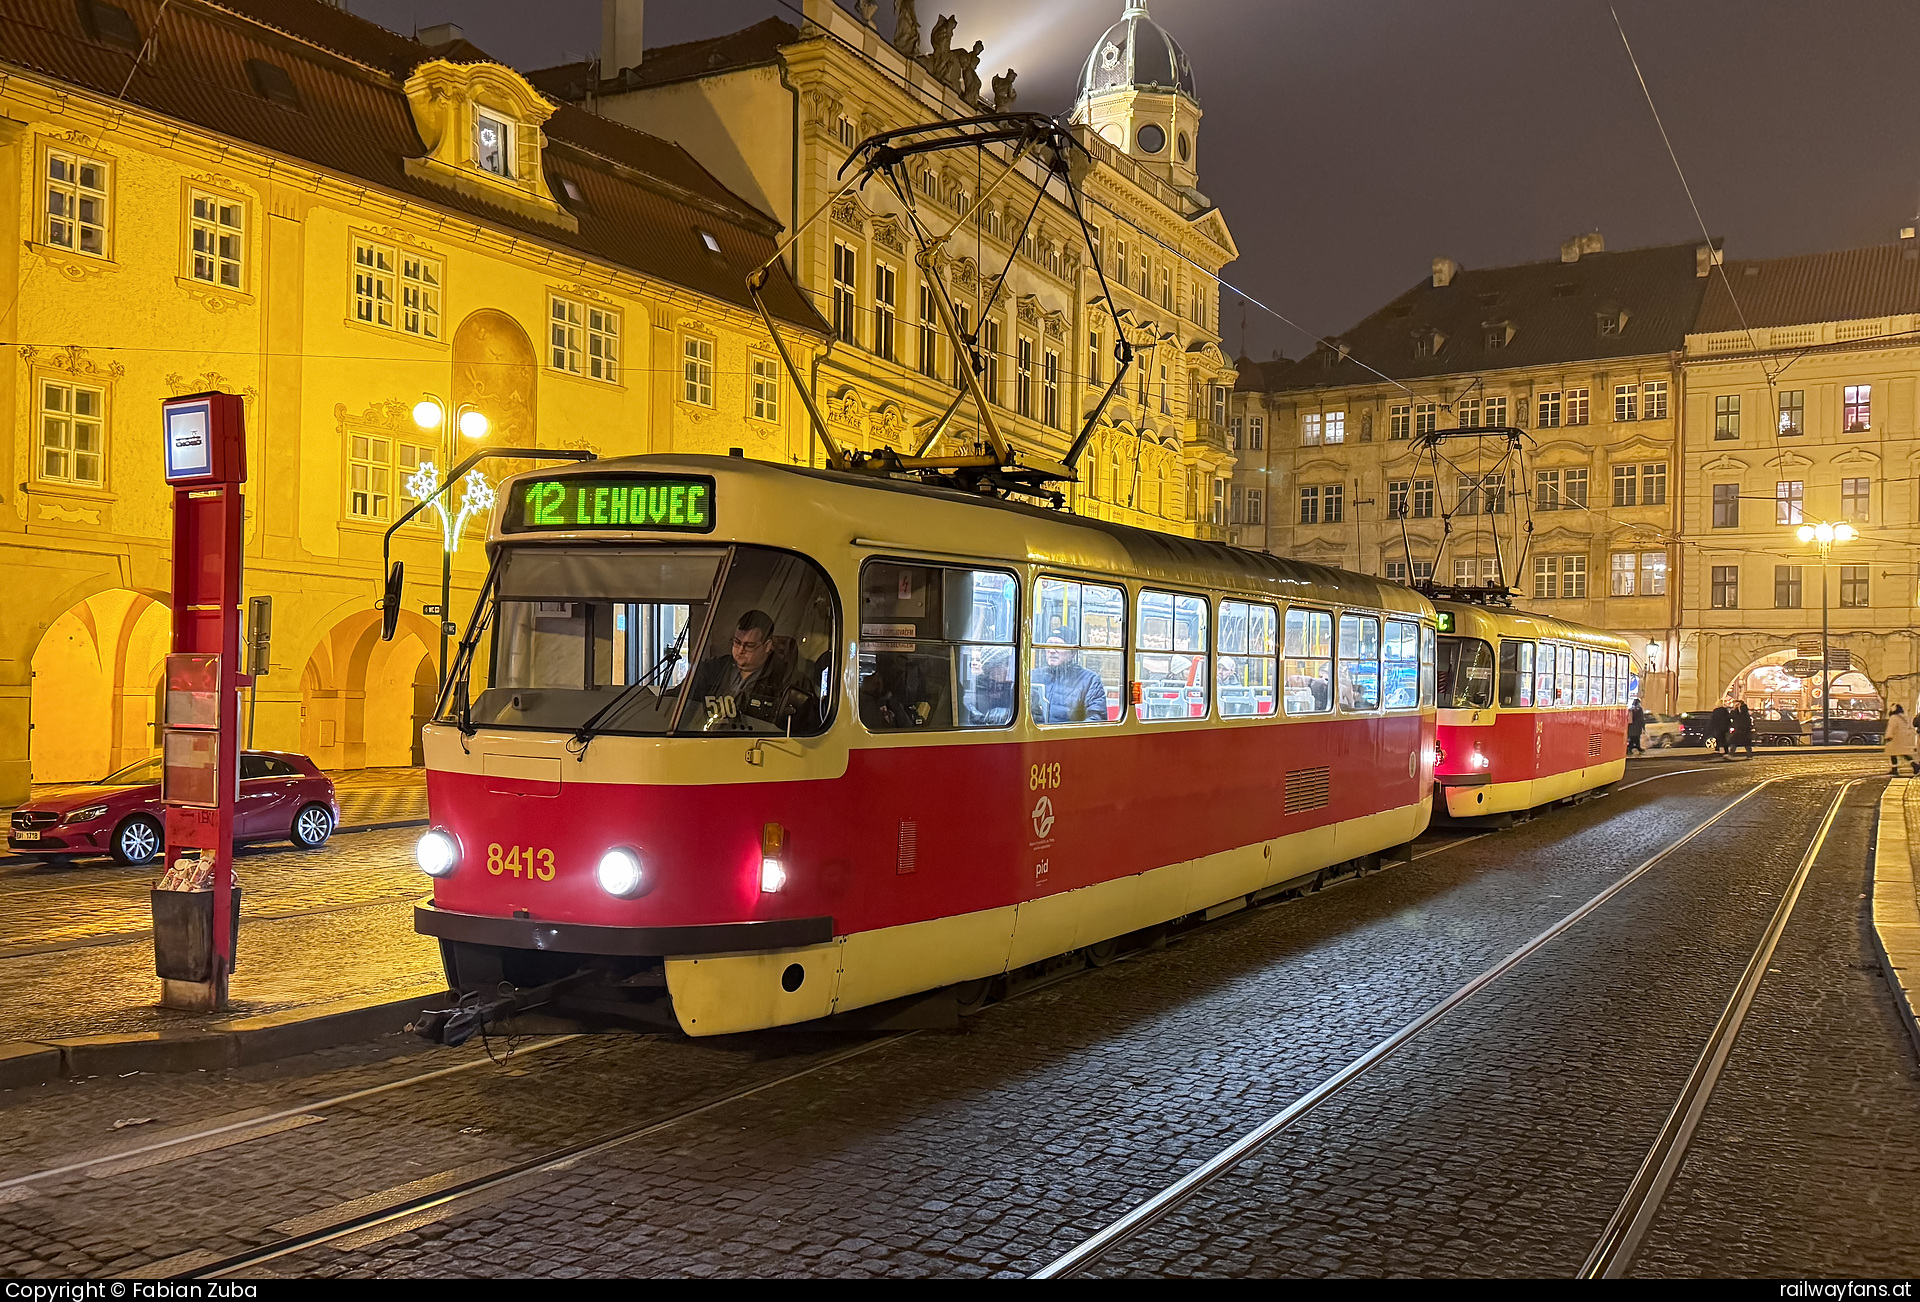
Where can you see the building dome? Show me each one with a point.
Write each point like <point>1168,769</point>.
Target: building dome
<point>1137,54</point>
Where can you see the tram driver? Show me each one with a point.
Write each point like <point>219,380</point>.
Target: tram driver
<point>1066,691</point>
<point>753,681</point>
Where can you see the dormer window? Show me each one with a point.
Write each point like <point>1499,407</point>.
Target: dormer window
<point>1499,335</point>
<point>492,148</point>
<point>110,25</point>
<point>571,189</point>
<point>1428,342</point>
<point>271,83</point>
<point>1613,323</point>
<point>706,238</point>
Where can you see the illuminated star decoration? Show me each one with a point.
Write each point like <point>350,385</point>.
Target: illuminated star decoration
<point>476,497</point>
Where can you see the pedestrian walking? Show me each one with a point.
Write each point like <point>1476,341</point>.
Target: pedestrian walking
<point>1742,723</point>
<point>1636,727</point>
<point>1900,741</point>
<point>1720,728</point>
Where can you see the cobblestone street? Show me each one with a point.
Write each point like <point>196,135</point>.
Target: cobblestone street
<point>1497,1143</point>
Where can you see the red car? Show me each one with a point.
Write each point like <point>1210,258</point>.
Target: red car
<point>282,796</point>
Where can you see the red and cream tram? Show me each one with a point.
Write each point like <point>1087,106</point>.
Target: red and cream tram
<point>1531,710</point>
<point>759,744</point>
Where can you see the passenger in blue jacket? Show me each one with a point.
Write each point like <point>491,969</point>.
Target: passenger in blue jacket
<point>1066,691</point>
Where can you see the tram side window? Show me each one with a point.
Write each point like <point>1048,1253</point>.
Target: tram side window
<point>1359,662</point>
<point>1466,673</point>
<point>1543,677</point>
<point>937,647</point>
<point>1619,679</point>
<point>1400,665</point>
<point>1170,662</point>
<point>1079,636</point>
<point>1607,683</point>
<point>1563,676</point>
<point>1249,659</point>
<point>1309,662</point>
<point>1582,677</point>
<point>1429,672</point>
<point>1516,675</point>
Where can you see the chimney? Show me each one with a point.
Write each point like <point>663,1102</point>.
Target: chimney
<point>620,33</point>
<point>1706,258</point>
<point>1444,270</point>
<point>1591,242</point>
<point>439,34</point>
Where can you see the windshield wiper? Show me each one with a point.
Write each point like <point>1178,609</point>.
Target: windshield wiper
<point>661,668</point>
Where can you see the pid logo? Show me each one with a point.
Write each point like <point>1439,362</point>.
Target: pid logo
<point>1043,817</point>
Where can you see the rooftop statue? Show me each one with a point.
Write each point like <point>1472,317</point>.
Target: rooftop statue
<point>1004,94</point>
<point>906,28</point>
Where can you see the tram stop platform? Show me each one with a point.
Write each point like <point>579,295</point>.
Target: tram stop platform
<point>327,952</point>
<point>1896,895</point>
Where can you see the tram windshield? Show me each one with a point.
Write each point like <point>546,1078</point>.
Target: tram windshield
<point>1466,674</point>
<point>655,640</point>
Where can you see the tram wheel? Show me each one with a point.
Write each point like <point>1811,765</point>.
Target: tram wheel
<point>1103,952</point>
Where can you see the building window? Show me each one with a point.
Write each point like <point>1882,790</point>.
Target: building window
<point>1468,411</point>
<point>1547,408</point>
<point>1856,499</point>
<point>1576,406</point>
<point>1494,412</point>
<point>1423,499</point>
<point>216,235</point>
<point>1335,497</point>
<point>1653,401</point>
<point>1786,587</point>
<point>72,433</point>
<point>1546,490</point>
<point>990,337</point>
<point>1219,515</point>
<point>420,296</point>
<point>1625,570</point>
<point>1626,486</point>
<point>844,129</point>
<point>1236,432</point>
<point>76,206</point>
<point>1653,574</point>
<point>1426,418</point>
<point>1726,506</point>
<point>846,310</point>
<point>1166,290</point>
<point>1050,388</point>
<point>1310,430</point>
<point>885,309</point>
<point>1471,488</point>
<point>1793,412</point>
<point>1256,433</point>
<point>1726,587</point>
<point>1789,496</point>
<point>603,344</point>
<point>1726,416</point>
<point>927,335</point>
<point>1165,408</point>
<point>1469,571</point>
<point>374,464</point>
<point>1853,585</point>
<point>1310,506</point>
<point>373,278</point>
<point>1573,489</point>
<point>583,339</point>
<point>1396,571</point>
<point>1336,427</point>
<point>1093,356</point>
<point>1256,506</point>
<point>1653,484</point>
<point>1399,422</point>
<point>1220,406</point>
<point>1559,577</point>
<point>1626,402</point>
<point>492,144</point>
<point>765,375</point>
<point>1023,377</point>
<point>1398,491</point>
<point>697,371</point>
<point>1857,413</point>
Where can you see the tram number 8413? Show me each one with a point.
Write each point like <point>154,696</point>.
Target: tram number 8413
<point>1043,777</point>
<point>536,864</point>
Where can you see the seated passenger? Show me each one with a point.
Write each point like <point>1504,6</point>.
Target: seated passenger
<point>989,695</point>
<point>1066,691</point>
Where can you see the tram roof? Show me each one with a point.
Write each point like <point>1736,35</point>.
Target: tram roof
<point>966,526</point>
<point>1504,621</point>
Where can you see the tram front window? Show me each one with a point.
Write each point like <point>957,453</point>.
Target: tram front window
<point>1466,674</point>
<point>609,640</point>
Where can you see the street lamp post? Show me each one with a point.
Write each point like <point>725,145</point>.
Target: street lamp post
<point>1824,536</point>
<point>431,413</point>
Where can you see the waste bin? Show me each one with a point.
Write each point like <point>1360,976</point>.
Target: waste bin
<point>183,934</point>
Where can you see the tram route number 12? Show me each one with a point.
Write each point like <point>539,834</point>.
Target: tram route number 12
<point>1043,777</point>
<point>536,864</point>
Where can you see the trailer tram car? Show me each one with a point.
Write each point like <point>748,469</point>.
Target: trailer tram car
<point>1531,710</point>
<point>741,745</point>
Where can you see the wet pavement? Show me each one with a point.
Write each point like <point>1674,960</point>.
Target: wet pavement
<point>1497,1143</point>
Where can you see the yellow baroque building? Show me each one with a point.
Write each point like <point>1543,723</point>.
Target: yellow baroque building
<point>278,199</point>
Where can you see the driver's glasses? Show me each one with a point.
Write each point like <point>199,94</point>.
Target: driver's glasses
<point>748,643</point>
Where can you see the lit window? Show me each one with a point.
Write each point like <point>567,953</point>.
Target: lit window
<point>697,371</point>
<point>1249,646</point>
<point>1309,662</point>
<point>1787,587</point>
<point>1789,497</point>
<point>1078,627</point>
<point>1559,577</point>
<point>1359,675</point>
<point>1853,585</point>
<point>492,144</point>
<point>1857,415</point>
<point>1336,427</point>
<point>216,235</point>
<point>1625,571</point>
<point>1726,506</point>
<point>1793,412</point>
<point>76,207</point>
<point>1653,574</point>
<point>72,433</point>
<point>1310,429</point>
<point>1170,665</point>
<point>766,389</point>
<point>1726,587</point>
<point>1856,499</point>
<point>1726,416</point>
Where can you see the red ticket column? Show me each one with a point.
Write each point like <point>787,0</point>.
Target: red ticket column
<point>206,462</point>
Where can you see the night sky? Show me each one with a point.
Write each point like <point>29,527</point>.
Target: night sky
<point>1351,141</point>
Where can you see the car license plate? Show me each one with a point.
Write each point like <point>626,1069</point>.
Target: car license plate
<point>26,836</point>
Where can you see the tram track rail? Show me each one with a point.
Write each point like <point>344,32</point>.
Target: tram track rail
<point>1641,1204</point>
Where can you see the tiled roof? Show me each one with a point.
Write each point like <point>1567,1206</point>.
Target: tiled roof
<point>1554,310</point>
<point>644,197</point>
<point>1847,285</point>
<point>746,48</point>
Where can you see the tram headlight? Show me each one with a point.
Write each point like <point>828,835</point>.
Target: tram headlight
<point>773,866</point>
<point>1479,760</point>
<point>620,873</point>
<point>438,853</point>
